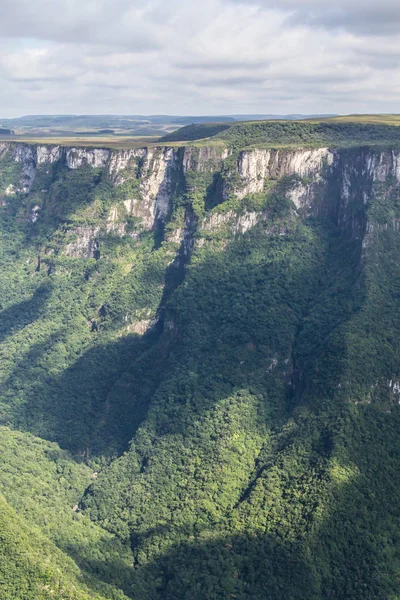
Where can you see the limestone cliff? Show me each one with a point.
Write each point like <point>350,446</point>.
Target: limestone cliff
<point>327,182</point>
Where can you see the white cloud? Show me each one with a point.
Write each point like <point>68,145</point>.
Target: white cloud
<point>220,56</point>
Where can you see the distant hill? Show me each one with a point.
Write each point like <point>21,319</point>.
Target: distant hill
<point>195,132</point>
<point>329,131</point>
<point>125,125</point>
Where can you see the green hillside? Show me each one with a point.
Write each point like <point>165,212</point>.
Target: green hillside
<point>333,131</point>
<point>32,567</point>
<point>200,368</point>
<point>238,484</point>
<point>195,132</point>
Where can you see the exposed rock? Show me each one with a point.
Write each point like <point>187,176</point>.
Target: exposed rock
<point>255,166</point>
<point>157,176</point>
<point>336,184</point>
<point>48,154</point>
<point>203,158</point>
<point>300,194</point>
<point>26,156</point>
<point>383,164</point>
<point>245,222</point>
<point>122,160</point>
<point>115,224</point>
<point>139,327</point>
<point>304,163</point>
<point>237,224</point>
<point>157,181</point>
<point>35,213</point>
<point>85,243</point>
<point>217,220</point>
<point>78,157</point>
<point>4,148</point>
<point>11,190</point>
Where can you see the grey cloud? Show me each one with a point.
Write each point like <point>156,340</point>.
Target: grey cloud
<point>126,56</point>
<point>221,65</point>
<point>231,81</point>
<point>360,20</point>
<point>361,17</point>
<point>114,22</point>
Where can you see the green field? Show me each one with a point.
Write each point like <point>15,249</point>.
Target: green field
<point>108,141</point>
<point>366,119</point>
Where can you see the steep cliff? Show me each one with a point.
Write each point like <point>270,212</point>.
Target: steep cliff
<point>141,188</point>
<point>216,329</point>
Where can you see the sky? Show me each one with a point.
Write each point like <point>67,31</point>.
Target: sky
<point>202,57</point>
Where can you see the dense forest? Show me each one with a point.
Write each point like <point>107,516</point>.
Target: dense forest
<point>267,133</point>
<point>200,371</point>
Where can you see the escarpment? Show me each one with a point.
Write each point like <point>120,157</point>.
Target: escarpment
<point>102,204</point>
<point>210,335</point>
<point>143,185</point>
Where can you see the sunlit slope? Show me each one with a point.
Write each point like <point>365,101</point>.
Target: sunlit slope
<point>44,485</point>
<point>31,567</point>
<point>378,119</point>
<point>343,131</point>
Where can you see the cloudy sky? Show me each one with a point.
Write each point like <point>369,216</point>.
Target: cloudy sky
<point>199,57</point>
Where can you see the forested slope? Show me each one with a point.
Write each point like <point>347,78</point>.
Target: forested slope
<point>33,567</point>
<point>264,133</point>
<point>208,338</point>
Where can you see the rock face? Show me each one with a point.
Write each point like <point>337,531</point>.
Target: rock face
<point>122,161</point>
<point>332,183</point>
<point>203,159</point>
<point>47,155</point>
<point>255,166</point>
<point>238,224</point>
<point>25,156</point>
<point>78,157</point>
<point>84,244</point>
<point>157,183</point>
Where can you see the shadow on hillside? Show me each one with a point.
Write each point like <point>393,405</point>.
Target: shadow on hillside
<point>94,406</point>
<point>237,322</point>
<point>225,567</point>
<point>18,316</point>
<point>334,557</point>
<point>324,536</point>
<point>265,318</point>
<point>242,318</point>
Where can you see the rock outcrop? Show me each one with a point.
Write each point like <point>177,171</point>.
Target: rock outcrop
<point>332,183</point>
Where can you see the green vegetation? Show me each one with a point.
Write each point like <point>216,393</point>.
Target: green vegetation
<point>340,130</point>
<point>195,132</point>
<point>367,119</point>
<point>32,567</point>
<point>44,484</point>
<point>65,326</point>
<point>331,132</point>
<point>206,405</point>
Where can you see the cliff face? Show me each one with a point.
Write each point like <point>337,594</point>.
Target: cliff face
<point>146,213</point>
<point>225,324</point>
<point>192,199</point>
<point>337,184</point>
<point>82,203</point>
